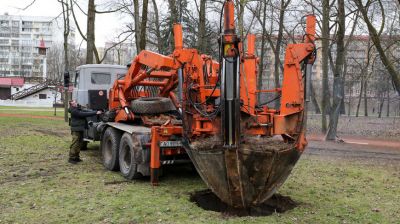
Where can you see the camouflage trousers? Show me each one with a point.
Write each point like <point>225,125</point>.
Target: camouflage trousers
<point>77,144</point>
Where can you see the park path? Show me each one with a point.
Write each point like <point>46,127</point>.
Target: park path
<point>31,116</point>
<point>25,109</point>
<point>358,140</point>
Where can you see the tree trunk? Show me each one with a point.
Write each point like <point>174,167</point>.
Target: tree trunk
<point>365,99</point>
<point>360,96</point>
<point>174,18</point>
<point>137,25</point>
<point>388,100</point>
<point>157,27</point>
<point>314,100</point>
<point>240,5</point>
<point>91,15</point>
<point>119,56</point>
<point>201,35</point>
<point>349,107</point>
<point>338,83</point>
<point>382,100</point>
<point>65,12</point>
<point>378,45</point>
<point>278,47</point>
<point>143,26</point>
<point>262,56</point>
<point>325,105</point>
<point>342,106</point>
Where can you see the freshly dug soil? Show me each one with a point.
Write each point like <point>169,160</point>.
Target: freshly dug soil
<point>207,200</point>
<point>251,143</point>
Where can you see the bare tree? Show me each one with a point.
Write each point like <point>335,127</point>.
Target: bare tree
<point>55,62</point>
<point>28,6</point>
<point>140,23</point>
<point>90,33</point>
<point>325,69</point>
<point>65,13</point>
<point>375,37</point>
<point>277,61</point>
<point>91,49</point>
<point>174,18</point>
<point>339,72</point>
<point>143,25</point>
<point>201,36</point>
<point>263,24</point>
<point>157,26</point>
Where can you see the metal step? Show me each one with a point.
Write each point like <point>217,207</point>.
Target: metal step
<point>34,89</point>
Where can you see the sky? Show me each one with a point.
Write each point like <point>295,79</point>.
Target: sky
<point>106,24</point>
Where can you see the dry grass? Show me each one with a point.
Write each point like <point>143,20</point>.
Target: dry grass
<point>37,185</point>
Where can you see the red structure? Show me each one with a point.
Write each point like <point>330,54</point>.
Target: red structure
<point>42,48</point>
<point>6,83</point>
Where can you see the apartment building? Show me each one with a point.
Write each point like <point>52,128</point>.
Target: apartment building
<point>20,38</point>
<point>119,54</point>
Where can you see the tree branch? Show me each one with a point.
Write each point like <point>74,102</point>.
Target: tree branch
<point>29,5</point>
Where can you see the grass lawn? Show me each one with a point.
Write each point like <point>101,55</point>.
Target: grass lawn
<point>37,185</point>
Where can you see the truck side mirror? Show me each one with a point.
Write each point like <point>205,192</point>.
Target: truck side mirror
<point>66,79</point>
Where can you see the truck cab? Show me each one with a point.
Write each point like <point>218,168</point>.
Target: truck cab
<point>92,83</point>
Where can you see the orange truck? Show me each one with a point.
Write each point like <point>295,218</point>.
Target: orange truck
<point>187,107</point>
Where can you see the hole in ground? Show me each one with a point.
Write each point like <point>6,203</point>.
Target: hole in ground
<point>207,200</point>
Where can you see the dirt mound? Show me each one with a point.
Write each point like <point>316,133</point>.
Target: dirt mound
<point>207,200</point>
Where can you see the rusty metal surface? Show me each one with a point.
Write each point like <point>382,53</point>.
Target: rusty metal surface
<point>246,176</point>
<point>160,119</point>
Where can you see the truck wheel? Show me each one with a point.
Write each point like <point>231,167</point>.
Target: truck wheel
<point>129,156</point>
<point>110,148</point>
<point>152,105</point>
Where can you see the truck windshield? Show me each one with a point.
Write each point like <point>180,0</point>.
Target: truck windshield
<point>120,76</point>
<point>101,78</point>
<point>76,80</point>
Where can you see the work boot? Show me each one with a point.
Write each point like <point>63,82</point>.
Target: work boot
<point>74,160</point>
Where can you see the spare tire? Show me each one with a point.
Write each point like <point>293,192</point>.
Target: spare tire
<point>152,105</point>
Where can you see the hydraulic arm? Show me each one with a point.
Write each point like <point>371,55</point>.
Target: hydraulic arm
<point>230,84</point>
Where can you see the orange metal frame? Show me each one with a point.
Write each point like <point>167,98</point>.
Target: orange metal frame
<point>200,87</point>
<point>160,133</point>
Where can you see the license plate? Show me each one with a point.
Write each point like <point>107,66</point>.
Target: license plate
<point>170,144</point>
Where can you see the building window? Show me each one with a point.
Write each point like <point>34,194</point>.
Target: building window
<point>101,78</point>
<point>42,96</point>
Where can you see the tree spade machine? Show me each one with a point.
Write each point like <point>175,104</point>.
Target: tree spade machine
<point>169,108</point>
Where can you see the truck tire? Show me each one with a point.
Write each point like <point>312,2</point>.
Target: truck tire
<point>110,148</point>
<point>152,105</point>
<point>129,156</point>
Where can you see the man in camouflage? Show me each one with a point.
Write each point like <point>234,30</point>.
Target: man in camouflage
<point>78,125</point>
